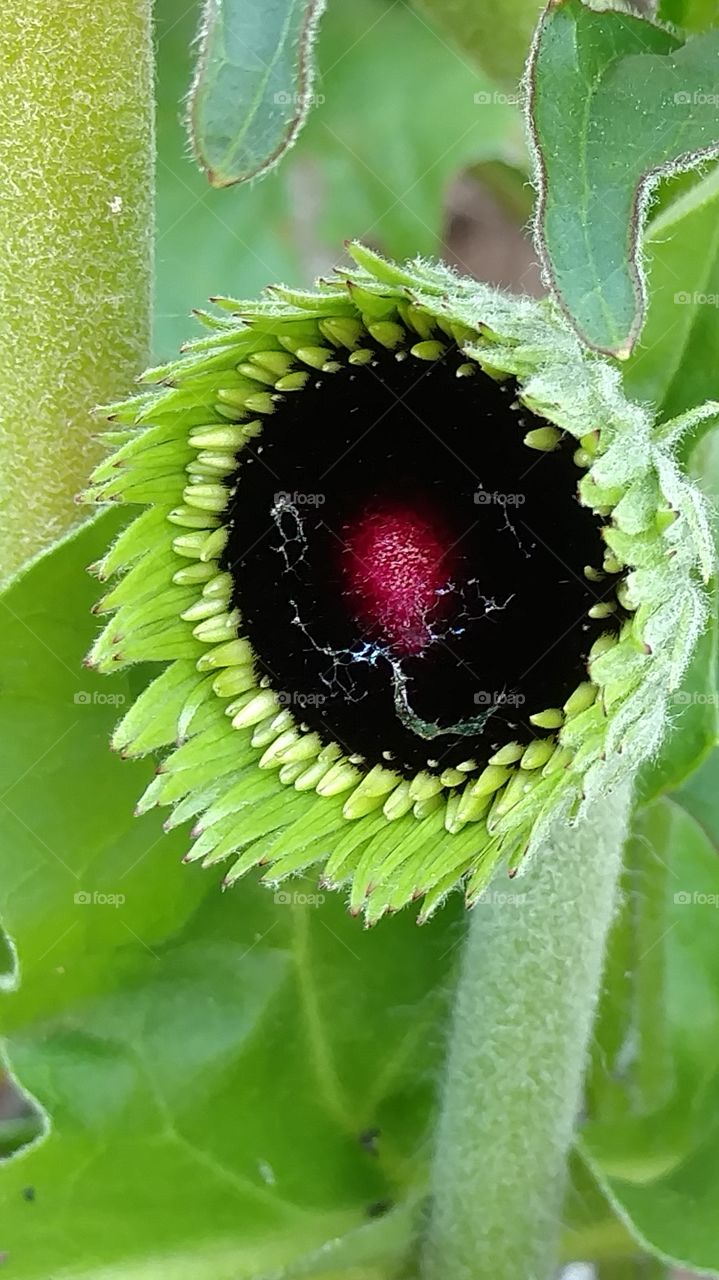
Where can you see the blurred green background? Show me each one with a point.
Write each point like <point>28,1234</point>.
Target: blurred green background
<point>399,114</point>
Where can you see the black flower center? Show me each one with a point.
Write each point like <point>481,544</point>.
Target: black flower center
<point>409,572</point>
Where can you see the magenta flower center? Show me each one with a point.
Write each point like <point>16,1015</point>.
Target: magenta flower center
<point>397,573</point>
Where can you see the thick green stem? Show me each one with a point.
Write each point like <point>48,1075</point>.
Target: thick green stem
<point>522,1021</point>
<point>76,170</point>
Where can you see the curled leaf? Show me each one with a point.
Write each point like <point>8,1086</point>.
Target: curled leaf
<point>616,102</point>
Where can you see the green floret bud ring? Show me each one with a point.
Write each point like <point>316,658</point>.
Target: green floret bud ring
<point>420,573</point>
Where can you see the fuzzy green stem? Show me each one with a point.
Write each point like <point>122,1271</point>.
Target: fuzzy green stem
<point>76,170</point>
<point>522,1021</point>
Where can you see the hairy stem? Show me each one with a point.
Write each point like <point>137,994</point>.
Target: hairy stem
<point>522,1021</point>
<point>76,169</point>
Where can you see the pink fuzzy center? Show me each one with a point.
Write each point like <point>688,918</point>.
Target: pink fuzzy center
<point>396,574</point>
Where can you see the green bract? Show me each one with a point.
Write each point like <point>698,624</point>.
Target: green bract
<point>263,787</point>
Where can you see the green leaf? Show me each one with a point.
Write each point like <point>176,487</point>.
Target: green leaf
<point>378,1250</point>
<point>233,1080</point>
<point>651,1143</point>
<point>694,729</point>
<point>673,364</point>
<point>634,984</point>
<point>694,15</point>
<point>591,1231</point>
<point>700,796</point>
<point>496,35</point>
<point>674,1216</point>
<point>615,102</point>
<point>253,87</point>
<point>374,162</point>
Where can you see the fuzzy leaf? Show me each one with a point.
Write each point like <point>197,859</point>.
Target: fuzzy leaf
<point>615,102</point>
<point>214,1065</point>
<point>253,86</point>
